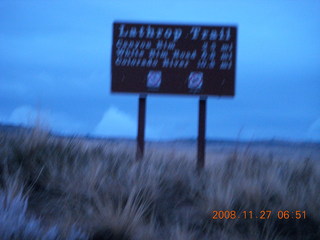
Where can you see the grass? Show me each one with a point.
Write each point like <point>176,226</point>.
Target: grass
<point>74,188</point>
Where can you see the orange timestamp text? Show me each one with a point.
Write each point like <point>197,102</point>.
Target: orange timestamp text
<point>263,214</point>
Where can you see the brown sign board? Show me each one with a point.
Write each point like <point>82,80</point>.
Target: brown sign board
<point>173,59</point>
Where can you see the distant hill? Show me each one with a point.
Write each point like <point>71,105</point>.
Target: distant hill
<point>8,128</point>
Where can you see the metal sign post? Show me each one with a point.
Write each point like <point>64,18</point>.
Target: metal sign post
<point>141,126</point>
<point>201,132</point>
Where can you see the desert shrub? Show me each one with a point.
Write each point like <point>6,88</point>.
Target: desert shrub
<point>99,185</point>
<point>15,224</point>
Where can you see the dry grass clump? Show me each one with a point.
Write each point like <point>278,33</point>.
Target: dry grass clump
<point>16,224</point>
<point>67,184</point>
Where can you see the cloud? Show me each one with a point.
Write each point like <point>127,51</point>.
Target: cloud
<point>314,130</point>
<point>2,119</point>
<point>58,122</point>
<point>116,123</point>
<point>28,116</point>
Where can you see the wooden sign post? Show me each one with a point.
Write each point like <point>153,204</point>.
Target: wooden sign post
<point>201,132</point>
<point>141,126</point>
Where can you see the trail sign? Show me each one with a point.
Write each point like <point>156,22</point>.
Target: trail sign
<point>173,59</point>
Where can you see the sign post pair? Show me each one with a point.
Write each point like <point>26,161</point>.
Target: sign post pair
<point>196,60</point>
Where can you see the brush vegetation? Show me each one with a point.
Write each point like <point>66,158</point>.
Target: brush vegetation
<point>75,188</point>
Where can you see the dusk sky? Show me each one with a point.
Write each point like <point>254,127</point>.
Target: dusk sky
<point>55,65</point>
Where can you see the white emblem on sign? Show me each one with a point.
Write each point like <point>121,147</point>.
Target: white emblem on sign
<point>154,79</point>
<point>195,80</point>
